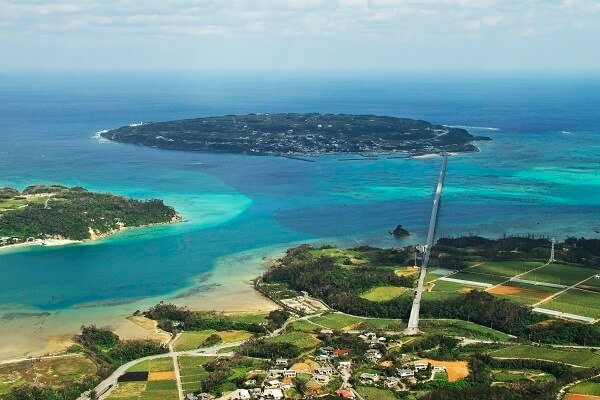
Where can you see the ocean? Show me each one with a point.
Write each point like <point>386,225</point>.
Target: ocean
<point>539,175</point>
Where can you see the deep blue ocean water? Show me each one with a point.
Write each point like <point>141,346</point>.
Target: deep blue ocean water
<point>539,175</point>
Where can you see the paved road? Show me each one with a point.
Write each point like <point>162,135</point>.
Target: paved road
<point>106,386</point>
<point>413,321</point>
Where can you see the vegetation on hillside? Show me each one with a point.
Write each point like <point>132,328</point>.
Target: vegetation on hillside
<point>73,213</point>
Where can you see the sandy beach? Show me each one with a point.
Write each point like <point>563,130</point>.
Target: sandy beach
<point>30,332</point>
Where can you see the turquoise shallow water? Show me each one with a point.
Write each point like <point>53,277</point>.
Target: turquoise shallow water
<point>539,175</point>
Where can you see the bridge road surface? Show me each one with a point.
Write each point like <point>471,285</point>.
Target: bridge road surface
<point>413,321</point>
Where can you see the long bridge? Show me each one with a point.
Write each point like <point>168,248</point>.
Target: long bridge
<point>413,321</point>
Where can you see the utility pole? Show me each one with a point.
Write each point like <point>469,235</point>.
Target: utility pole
<point>552,259</point>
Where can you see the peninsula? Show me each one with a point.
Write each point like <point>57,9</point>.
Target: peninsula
<point>298,134</point>
<point>40,213</point>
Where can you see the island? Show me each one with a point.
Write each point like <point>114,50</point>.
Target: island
<point>298,134</point>
<point>48,214</point>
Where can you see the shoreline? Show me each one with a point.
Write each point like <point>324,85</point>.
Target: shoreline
<point>55,242</point>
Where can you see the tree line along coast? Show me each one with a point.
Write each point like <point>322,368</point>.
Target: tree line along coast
<point>50,214</point>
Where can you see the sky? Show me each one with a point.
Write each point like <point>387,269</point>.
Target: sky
<point>337,35</point>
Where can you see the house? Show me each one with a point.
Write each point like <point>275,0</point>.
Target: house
<point>275,394</point>
<point>420,365</point>
<point>439,368</point>
<point>321,378</point>
<point>369,378</point>
<point>340,352</point>
<point>281,361</point>
<point>345,364</point>
<point>326,350</point>
<point>191,396</point>
<point>391,381</point>
<point>322,357</point>
<point>325,371</point>
<point>242,394</point>
<point>250,382</point>
<point>206,396</point>
<point>326,331</point>
<point>281,373</point>
<point>273,384</point>
<point>345,393</point>
<point>405,373</point>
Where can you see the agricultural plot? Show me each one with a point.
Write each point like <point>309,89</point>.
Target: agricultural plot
<point>505,268</point>
<point>522,292</point>
<point>576,301</point>
<point>517,375</point>
<point>456,327</point>
<point>590,388</point>
<point>579,357</point>
<point>384,293</point>
<point>336,321</point>
<point>157,390</point>
<point>192,339</point>
<point>561,274</point>
<point>303,326</point>
<point>46,371</point>
<point>482,278</point>
<point>447,286</point>
<point>192,372</point>
<point>155,365</point>
<point>373,393</point>
<point>592,285</point>
<point>249,318</point>
<point>195,339</point>
<point>340,256</point>
<point>303,340</point>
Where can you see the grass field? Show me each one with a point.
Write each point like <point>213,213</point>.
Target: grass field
<point>336,321</point>
<point>445,286</point>
<point>505,268</point>
<point>590,388</point>
<point>575,301</point>
<point>158,364</point>
<point>249,318</point>
<point>562,274</point>
<point>303,326</point>
<point>373,393</point>
<point>581,358</point>
<point>384,293</point>
<point>194,339</point>
<point>440,295</point>
<point>301,339</point>
<point>467,276</point>
<point>522,292</point>
<point>456,327</point>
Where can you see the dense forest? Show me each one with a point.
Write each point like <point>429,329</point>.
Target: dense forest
<point>72,213</point>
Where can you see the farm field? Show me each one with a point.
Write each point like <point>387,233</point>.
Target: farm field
<point>384,293</point>
<point>440,295</point>
<point>483,278</point>
<point>301,339</point>
<point>194,339</point>
<point>505,268</point>
<point>156,390</point>
<point>336,321</point>
<point>373,393</point>
<point>158,364</point>
<point>581,358</point>
<point>445,286</point>
<point>591,284</point>
<point>456,327</point>
<point>561,274</point>
<point>523,292</point>
<point>575,301</point>
<point>590,388</point>
<point>303,326</point>
<point>192,372</point>
<point>250,318</point>
<point>49,371</point>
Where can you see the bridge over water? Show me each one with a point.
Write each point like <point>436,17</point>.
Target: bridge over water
<point>413,321</point>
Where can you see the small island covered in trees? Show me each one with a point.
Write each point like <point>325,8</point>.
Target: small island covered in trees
<point>43,213</point>
<point>298,134</point>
